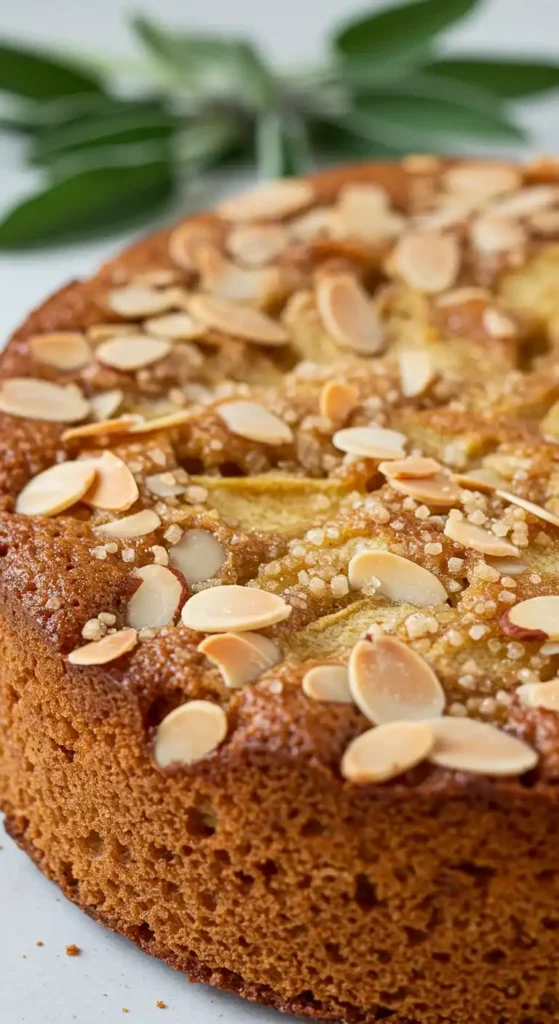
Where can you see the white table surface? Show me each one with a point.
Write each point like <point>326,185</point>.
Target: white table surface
<point>41,985</point>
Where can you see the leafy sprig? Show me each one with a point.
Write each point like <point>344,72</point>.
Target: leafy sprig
<point>211,100</point>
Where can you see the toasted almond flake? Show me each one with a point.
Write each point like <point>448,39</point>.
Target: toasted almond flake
<point>484,480</point>
<point>272,201</point>
<point>390,682</point>
<point>498,325</point>
<point>349,314</point>
<point>540,695</point>
<point>253,421</point>
<point>370,442</point>
<point>189,733</point>
<point>226,280</point>
<point>35,399</point>
<point>328,684</point>
<point>134,301</point>
<point>100,332</point>
<point>413,467</point>
<point>64,350</point>
<point>438,491</point>
<point>239,321</point>
<point>321,222</point>
<point>529,506</point>
<point>100,428</point>
<point>157,600</point>
<point>536,615</point>
<point>365,214</point>
<point>527,201</point>
<point>132,352</point>
<point>114,488</point>
<point>427,261</point>
<point>493,234</point>
<point>171,419</point>
<point>55,489</point>
<point>198,556</point>
<point>157,277</point>
<point>100,652</point>
<point>549,648</point>
<point>450,215</point>
<point>478,539</point>
<point>159,485</point>
<point>241,658</point>
<point>544,222</point>
<point>187,238</point>
<point>507,566</point>
<point>381,754</point>
<point>257,244</point>
<point>232,608</point>
<point>337,400</point>
<point>481,181</point>
<point>106,404</point>
<point>465,745</point>
<point>462,296</point>
<point>401,579</point>
<point>416,372</point>
<point>421,163</point>
<point>137,525</point>
<point>175,326</point>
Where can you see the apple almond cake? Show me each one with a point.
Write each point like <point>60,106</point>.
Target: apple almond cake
<point>279,564</point>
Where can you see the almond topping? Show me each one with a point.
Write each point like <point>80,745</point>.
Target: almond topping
<point>465,745</point>
<point>400,579</point>
<point>321,222</point>
<point>268,202</point>
<point>427,261</point>
<point>100,428</point>
<point>527,201</point>
<point>536,615</point>
<point>529,506</point>
<point>239,321</point>
<point>416,372</point>
<point>544,222</point>
<point>540,695</point>
<point>134,301</point>
<point>172,419</point>
<point>481,182</point>
<point>55,489</point>
<point>438,491</point>
<point>370,442</point>
<point>232,608</point>
<point>507,566</point>
<point>257,244</point>
<point>157,600</point>
<point>337,400</point>
<point>390,682</point>
<point>475,537</point>
<point>493,234</point>
<point>481,479</point>
<point>253,421</point>
<point>114,488</point>
<point>414,466</point>
<point>198,556</point>
<point>164,485</point>
<point>381,754</point>
<point>225,280</point>
<point>40,400</point>
<point>498,324</point>
<point>187,238</point>
<point>328,684</point>
<point>241,658</point>
<point>189,733</point>
<point>64,350</point>
<point>106,404</point>
<point>174,326</point>
<point>349,314</point>
<point>136,525</point>
<point>100,652</point>
<point>132,352</point>
<point>365,214</point>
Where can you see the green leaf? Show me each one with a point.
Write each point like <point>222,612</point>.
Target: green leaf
<point>349,138</point>
<point>120,129</point>
<point>207,142</point>
<point>399,32</point>
<point>283,146</point>
<point>508,78</point>
<point>89,202</point>
<point>40,77</point>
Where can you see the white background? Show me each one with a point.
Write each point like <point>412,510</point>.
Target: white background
<point>41,985</point>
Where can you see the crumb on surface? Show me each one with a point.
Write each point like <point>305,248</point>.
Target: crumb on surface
<point>73,950</point>
<point>161,1005</point>
<point>39,943</point>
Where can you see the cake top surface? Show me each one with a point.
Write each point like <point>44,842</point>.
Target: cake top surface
<point>290,473</point>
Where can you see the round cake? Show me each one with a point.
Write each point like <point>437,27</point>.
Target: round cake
<point>279,578</point>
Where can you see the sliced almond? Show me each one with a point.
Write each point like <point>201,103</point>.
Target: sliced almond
<point>134,301</point>
<point>55,489</point>
<point>198,556</point>
<point>530,506</point>
<point>540,695</point>
<point>321,222</point>
<point>328,684</point>
<point>448,216</point>
<point>157,277</point>
<point>412,467</point>
<point>481,182</point>
<point>239,321</point>
<point>544,222</point>
<point>102,331</point>
<point>171,419</point>
<point>475,537</point>
<point>100,652</point>
<point>272,201</point>
<point>390,682</point>
<point>257,244</point>
<point>226,280</point>
<point>465,745</point>
<point>132,352</point>
<point>399,578</point>
<point>481,479</point>
<point>137,525</point>
<point>35,399</point>
<point>364,211</point>
<point>438,491</point>
<point>349,314</point>
<point>253,421</point>
<point>189,733</point>
<point>114,488</point>
<point>427,261</point>
<point>63,350</point>
<point>416,372</point>
<point>164,485</point>
<point>100,428</point>
<point>527,201</point>
<point>106,404</point>
<point>498,325</point>
<point>507,566</point>
<point>157,600</point>
<point>232,608</point>
<point>337,400</point>
<point>494,234</point>
<point>186,239</point>
<point>241,658</point>
<point>370,442</point>
<point>175,326</point>
<point>537,618</point>
<point>462,296</point>
<point>381,754</point>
